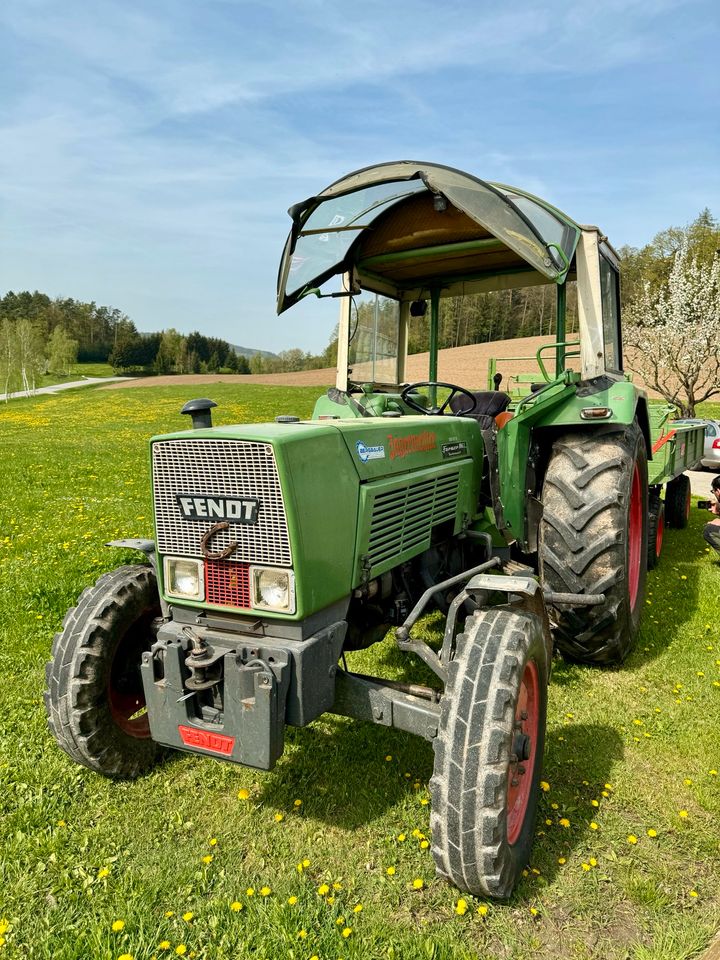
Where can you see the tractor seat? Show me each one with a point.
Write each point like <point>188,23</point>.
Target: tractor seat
<point>489,403</point>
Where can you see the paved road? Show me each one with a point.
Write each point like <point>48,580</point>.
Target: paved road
<point>85,382</point>
<point>700,481</point>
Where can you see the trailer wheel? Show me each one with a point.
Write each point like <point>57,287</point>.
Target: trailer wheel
<point>94,699</point>
<point>656,530</point>
<point>677,502</point>
<point>489,752</point>
<point>593,539</point>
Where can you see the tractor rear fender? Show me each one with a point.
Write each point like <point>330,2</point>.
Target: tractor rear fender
<point>622,399</point>
<point>626,403</point>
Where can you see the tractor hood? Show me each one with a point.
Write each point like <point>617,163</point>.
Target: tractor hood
<point>399,225</point>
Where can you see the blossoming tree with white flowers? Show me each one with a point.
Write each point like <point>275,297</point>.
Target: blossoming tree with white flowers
<point>674,332</point>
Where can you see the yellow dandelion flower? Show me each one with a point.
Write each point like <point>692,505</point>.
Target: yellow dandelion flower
<point>243,794</point>
<point>424,844</point>
<point>555,806</point>
<point>694,893</point>
<point>687,781</point>
<point>461,907</point>
<point>586,866</point>
<point>713,773</point>
<point>118,925</point>
<point>424,801</point>
<point>125,956</point>
<point>265,891</point>
<point>164,945</point>
<point>292,900</point>
<point>564,822</point>
<point>548,822</point>
<point>314,957</point>
<point>187,917</point>
<point>323,889</point>
<point>595,803</point>
<point>544,786</point>
<point>169,913</point>
<point>401,837</point>
<point>651,832</point>
<point>562,860</point>
<point>208,858</point>
<point>482,910</point>
<point>340,922</point>
<point>608,786</point>
<point>594,826</point>
<point>330,900</point>
<point>213,841</point>
<point>250,892</point>
<point>357,908</point>
<point>236,906</point>
<point>306,863</point>
<point>632,838</point>
<point>388,758</point>
<point>683,814</point>
<point>103,872</point>
<point>346,932</point>
<point>337,885</point>
<point>302,934</point>
<point>279,817</point>
<point>297,803</point>
<point>605,794</point>
<point>534,911</point>
<point>180,949</point>
<point>418,883</point>
<point>390,871</point>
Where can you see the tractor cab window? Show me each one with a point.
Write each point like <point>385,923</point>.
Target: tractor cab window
<point>373,339</point>
<point>610,293</point>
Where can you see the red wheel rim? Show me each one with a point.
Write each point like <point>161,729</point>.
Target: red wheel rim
<point>659,533</point>
<point>126,697</point>
<point>523,750</point>
<point>124,708</point>
<point>635,530</point>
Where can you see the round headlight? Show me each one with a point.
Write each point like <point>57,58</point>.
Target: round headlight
<point>274,588</point>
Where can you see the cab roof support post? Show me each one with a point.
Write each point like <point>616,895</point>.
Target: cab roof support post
<point>592,349</point>
<point>346,305</point>
<point>560,328</point>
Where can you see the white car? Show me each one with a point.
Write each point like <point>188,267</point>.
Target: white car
<point>711,452</point>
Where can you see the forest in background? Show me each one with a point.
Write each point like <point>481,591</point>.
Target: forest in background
<point>40,334</point>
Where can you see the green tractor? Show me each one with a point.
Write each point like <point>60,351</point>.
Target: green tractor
<point>280,547</point>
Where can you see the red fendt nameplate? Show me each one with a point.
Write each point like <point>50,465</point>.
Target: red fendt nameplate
<point>204,740</point>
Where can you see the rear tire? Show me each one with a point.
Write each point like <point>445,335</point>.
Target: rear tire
<point>94,698</point>
<point>593,539</point>
<point>484,798</point>
<point>656,531</point>
<point>677,502</point>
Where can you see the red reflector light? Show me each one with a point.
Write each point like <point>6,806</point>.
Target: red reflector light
<point>227,584</point>
<point>205,740</point>
<point>716,444</point>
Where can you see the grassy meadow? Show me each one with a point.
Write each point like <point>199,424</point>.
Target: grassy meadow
<point>327,856</point>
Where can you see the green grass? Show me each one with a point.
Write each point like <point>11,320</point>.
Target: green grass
<point>78,371</point>
<point>80,852</point>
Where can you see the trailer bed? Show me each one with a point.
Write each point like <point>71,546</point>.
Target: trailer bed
<point>676,447</point>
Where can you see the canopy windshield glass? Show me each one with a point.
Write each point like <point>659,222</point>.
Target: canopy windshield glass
<point>330,230</point>
<point>373,339</point>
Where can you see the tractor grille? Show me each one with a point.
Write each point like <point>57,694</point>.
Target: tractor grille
<point>220,468</point>
<point>402,520</point>
<point>227,584</point>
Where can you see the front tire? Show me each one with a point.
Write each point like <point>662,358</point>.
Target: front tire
<point>94,699</point>
<point>593,539</point>
<point>493,713</point>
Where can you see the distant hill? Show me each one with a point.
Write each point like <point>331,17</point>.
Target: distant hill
<point>251,352</point>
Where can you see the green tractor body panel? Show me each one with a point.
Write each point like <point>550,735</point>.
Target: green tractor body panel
<point>354,498</point>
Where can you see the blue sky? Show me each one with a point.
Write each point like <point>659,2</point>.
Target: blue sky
<point>149,150</point>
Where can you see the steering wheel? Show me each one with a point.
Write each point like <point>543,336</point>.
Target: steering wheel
<point>438,411</point>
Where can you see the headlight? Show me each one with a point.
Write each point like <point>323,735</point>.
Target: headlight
<point>273,589</point>
<point>184,578</point>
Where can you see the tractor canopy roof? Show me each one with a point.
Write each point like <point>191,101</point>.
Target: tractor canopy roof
<point>402,228</point>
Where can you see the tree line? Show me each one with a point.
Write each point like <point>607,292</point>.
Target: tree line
<point>39,334</point>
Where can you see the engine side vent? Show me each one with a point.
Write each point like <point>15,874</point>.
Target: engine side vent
<point>403,518</point>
